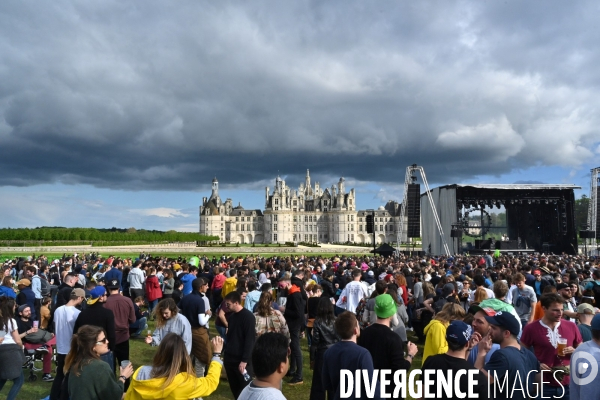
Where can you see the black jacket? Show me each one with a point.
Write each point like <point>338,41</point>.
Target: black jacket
<point>323,335</point>
<point>295,307</point>
<point>97,315</point>
<point>328,289</point>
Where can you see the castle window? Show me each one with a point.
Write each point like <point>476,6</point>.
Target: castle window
<point>295,203</point>
<point>274,227</point>
<point>274,237</point>
<point>276,201</point>
<point>237,219</point>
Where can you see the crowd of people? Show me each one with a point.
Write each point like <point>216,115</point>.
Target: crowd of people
<point>524,317</point>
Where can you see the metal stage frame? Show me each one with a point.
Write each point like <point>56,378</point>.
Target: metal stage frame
<point>540,217</point>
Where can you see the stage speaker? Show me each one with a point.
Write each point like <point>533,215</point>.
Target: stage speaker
<point>456,233</point>
<point>587,234</point>
<point>413,210</point>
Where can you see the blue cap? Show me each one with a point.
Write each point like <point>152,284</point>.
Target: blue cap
<point>95,294</point>
<point>458,332</point>
<point>596,322</point>
<point>505,320</point>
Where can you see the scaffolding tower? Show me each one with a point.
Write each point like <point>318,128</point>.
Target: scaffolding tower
<point>593,204</point>
<point>411,177</point>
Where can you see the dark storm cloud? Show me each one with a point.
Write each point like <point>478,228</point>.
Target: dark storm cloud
<point>167,95</point>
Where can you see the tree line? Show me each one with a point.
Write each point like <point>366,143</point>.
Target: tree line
<point>105,235</point>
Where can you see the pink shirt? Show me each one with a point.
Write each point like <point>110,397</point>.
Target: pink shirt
<point>544,342</point>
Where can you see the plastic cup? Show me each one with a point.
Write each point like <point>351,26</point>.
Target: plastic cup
<point>560,348</point>
<point>125,363</point>
<point>36,324</point>
<point>149,334</point>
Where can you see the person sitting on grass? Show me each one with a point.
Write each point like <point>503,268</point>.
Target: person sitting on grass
<point>141,319</point>
<point>172,375</point>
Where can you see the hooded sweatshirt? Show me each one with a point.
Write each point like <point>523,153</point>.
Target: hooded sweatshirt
<point>435,341</point>
<point>145,388</point>
<point>229,286</point>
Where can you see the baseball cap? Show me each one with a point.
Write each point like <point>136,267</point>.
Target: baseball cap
<point>585,308</point>
<point>458,332</point>
<point>447,289</point>
<point>95,294</point>
<point>370,273</point>
<point>113,284</point>
<point>505,320</point>
<point>24,282</point>
<point>385,306</point>
<point>562,285</point>
<point>596,322</point>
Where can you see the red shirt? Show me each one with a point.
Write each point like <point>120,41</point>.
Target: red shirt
<point>539,336</point>
<point>218,282</point>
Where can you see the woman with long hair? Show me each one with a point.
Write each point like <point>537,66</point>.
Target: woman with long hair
<point>89,376</point>
<point>172,375</point>
<point>11,348</point>
<point>6,289</point>
<point>479,296</point>
<point>402,290</point>
<point>169,320</point>
<point>435,331</point>
<point>324,336</point>
<point>267,318</point>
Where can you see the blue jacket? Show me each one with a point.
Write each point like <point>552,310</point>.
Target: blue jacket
<point>26,296</point>
<point>187,283</point>
<point>8,292</point>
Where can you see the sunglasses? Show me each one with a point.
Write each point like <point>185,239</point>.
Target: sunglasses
<point>102,341</point>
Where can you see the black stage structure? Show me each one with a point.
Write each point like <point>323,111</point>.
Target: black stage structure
<point>539,218</point>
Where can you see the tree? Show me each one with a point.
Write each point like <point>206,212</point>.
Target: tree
<point>581,212</point>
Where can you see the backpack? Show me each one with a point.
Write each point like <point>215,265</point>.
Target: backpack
<point>44,287</point>
<point>521,300</point>
<point>360,313</point>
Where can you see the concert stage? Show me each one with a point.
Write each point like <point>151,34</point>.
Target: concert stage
<point>540,218</point>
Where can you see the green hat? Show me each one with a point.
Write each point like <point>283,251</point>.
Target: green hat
<point>385,306</point>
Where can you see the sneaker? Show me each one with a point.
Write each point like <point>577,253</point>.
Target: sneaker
<point>409,329</point>
<point>42,349</point>
<point>296,381</point>
<point>47,378</point>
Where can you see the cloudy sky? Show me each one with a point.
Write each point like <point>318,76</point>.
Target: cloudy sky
<point>120,113</point>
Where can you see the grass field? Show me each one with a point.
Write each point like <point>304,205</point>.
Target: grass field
<point>141,354</point>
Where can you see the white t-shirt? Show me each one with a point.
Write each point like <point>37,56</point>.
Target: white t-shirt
<point>64,322</point>
<point>252,392</point>
<point>12,326</point>
<point>354,292</point>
